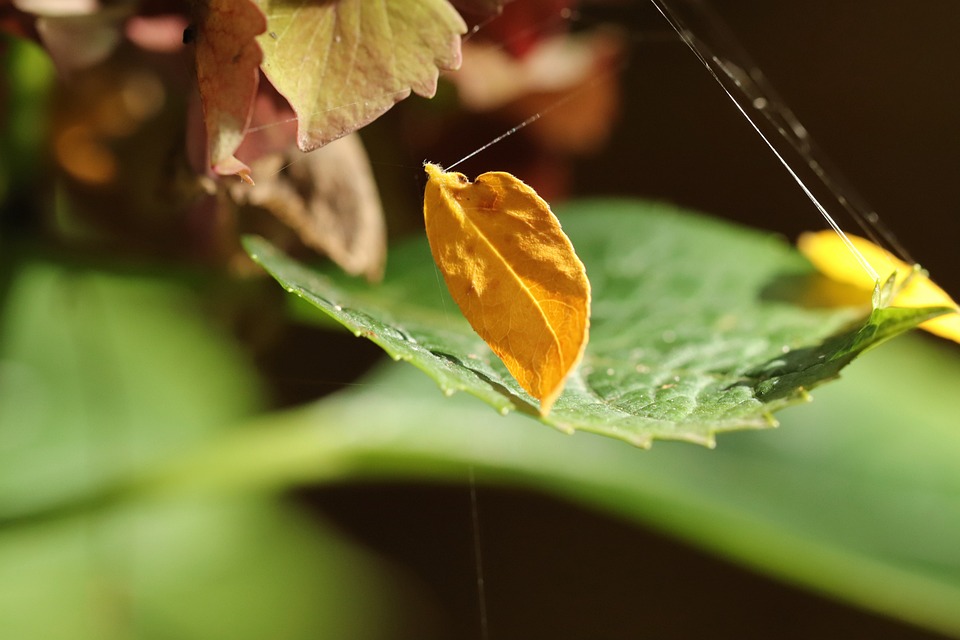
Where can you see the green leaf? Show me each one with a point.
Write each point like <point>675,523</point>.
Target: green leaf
<point>856,499</point>
<point>221,569</point>
<point>342,64</point>
<point>697,326</point>
<point>102,374</point>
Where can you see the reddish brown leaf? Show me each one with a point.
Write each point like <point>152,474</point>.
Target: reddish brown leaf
<point>228,59</point>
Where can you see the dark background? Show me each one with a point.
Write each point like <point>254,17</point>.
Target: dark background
<point>875,83</point>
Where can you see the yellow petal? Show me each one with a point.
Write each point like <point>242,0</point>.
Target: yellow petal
<point>513,272</point>
<point>912,287</point>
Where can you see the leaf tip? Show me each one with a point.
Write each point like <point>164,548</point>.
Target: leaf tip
<point>437,175</point>
<point>546,402</point>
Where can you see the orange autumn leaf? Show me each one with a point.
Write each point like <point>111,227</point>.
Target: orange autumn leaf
<point>513,272</point>
<point>228,73</point>
<point>912,287</point>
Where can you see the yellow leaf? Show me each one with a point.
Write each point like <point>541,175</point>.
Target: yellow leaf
<point>912,287</point>
<point>513,272</point>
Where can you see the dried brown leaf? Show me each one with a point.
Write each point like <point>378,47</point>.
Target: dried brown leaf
<point>228,59</point>
<point>329,198</point>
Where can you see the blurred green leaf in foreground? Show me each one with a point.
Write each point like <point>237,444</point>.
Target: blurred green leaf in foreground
<point>855,496</point>
<point>103,376</point>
